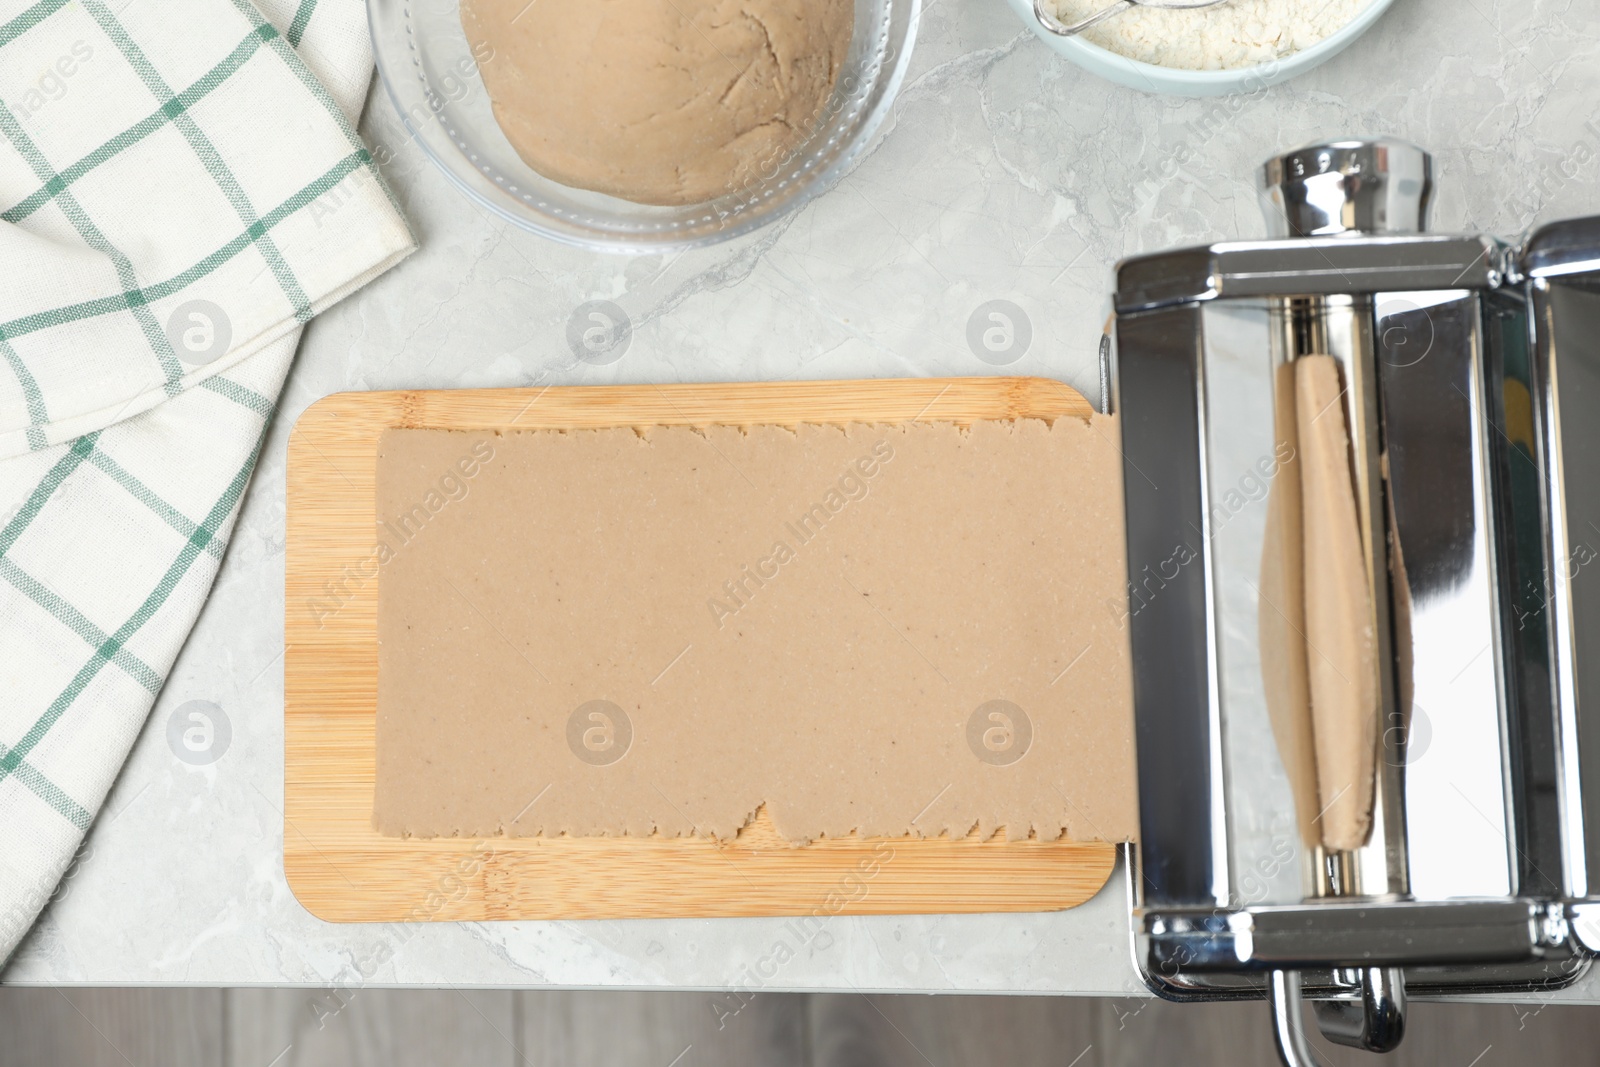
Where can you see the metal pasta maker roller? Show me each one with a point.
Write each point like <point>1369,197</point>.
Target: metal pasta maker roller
<point>1362,472</point>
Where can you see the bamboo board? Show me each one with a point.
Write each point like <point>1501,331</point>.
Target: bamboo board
<point>343,870</point>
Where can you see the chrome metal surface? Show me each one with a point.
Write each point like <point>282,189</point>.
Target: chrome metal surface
<point>1244,269</point>
<point>1106,403</point>
<point>1567,392</point>
<point>1334,933</point>
<point>1376,1022</point>
<point>1563,249</point>
<point>1521,547</point>
<point>1529,978</point>
<point>1289,1021</point>
<point>1584,919</point>
<point>1437,440</point>
<point>1561,963</point>
<point>1267,860</point>
<point>1048,20</point>
<point>1367,186</point>
<point>1170,611</point>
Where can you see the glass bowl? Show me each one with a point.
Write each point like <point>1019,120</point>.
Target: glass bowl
<point>429,70</point>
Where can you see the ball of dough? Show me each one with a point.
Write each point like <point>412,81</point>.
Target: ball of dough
<point>658,101</point>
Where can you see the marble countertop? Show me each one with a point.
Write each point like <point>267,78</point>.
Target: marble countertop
<point>1006,174</point>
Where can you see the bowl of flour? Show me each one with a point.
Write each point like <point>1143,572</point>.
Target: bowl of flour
<point>1237,46</point>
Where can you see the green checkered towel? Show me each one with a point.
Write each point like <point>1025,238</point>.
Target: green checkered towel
<point>180,191</point>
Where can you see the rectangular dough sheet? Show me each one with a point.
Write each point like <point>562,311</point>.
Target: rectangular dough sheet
<point>882,629</point>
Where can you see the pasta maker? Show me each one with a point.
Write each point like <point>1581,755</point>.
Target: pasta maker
<point>1362,473</point>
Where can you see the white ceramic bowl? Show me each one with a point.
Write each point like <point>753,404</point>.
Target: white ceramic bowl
<point>1171,80</point>
<point>432,77</point>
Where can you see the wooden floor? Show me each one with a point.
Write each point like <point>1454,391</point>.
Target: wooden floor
<point>387,1028</point>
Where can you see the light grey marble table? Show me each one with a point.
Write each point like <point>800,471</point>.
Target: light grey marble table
<point>1006,174</point>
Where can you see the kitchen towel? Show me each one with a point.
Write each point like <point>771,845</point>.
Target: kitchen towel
<point>181,190</point>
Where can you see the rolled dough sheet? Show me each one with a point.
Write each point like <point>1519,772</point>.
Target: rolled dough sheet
<point>1342,647</point>
<point>889,630</point>
<point>1281,616</point>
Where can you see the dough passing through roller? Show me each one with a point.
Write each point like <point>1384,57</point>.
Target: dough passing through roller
<point>1342,648</point>
<point>1319,649</point>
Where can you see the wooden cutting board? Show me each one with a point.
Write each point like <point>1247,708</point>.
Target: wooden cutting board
<point>342,870</point>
